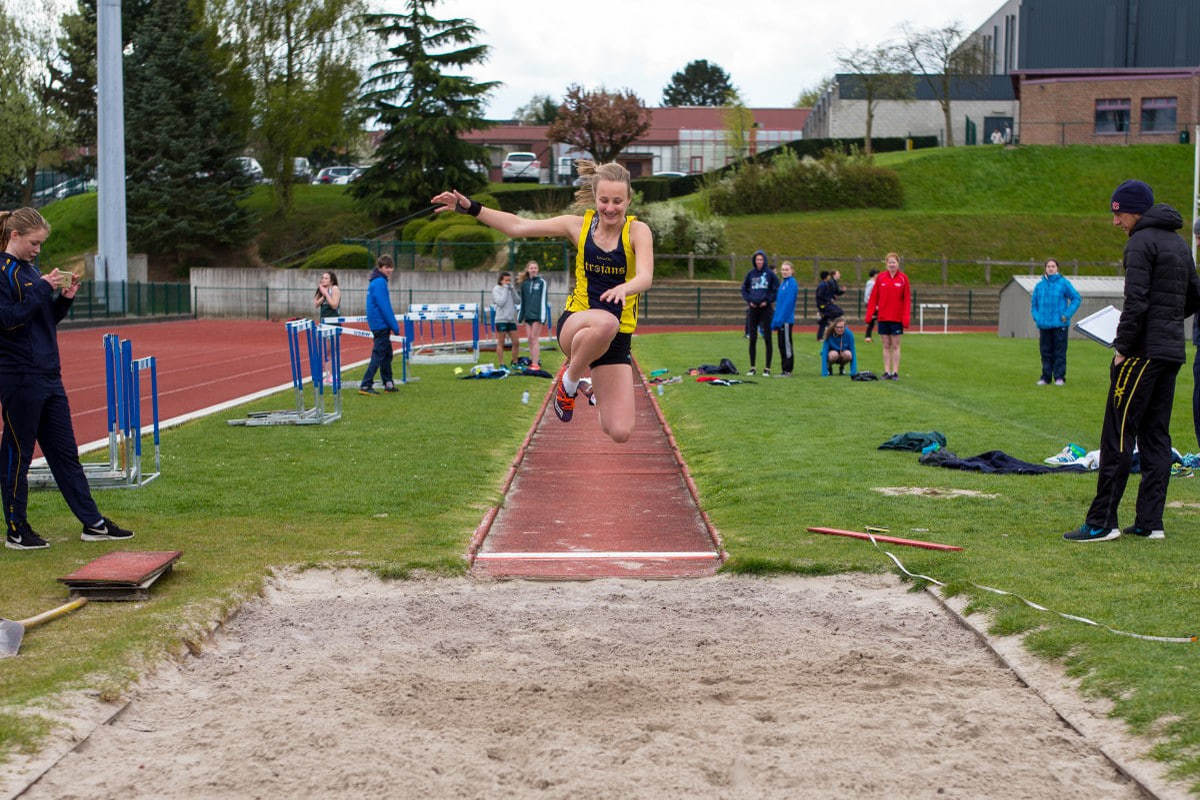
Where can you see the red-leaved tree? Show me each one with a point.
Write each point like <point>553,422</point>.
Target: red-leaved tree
<point>600,122</point>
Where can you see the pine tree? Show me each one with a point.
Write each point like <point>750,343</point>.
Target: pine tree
<point>183,187</point>
<point>698,84</point>
<point>424,110</point>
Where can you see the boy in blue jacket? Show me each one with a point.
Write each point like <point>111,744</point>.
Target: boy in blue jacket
<point>1053,303</point>
<point>785,316</point>
<point>382,322</point>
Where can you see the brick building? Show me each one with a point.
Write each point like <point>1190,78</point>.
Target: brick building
<point>688,139</point>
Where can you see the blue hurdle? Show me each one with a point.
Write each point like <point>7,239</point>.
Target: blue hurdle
<point>343,324</point>
<point>122,377</point>
<point>318,342</point>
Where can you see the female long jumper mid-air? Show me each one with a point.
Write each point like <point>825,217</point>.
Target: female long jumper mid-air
<point>613,265</point>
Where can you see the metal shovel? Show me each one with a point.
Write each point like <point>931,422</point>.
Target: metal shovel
<point>12,632</point>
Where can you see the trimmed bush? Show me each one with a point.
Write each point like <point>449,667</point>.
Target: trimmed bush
<point>539,198</point>
<point>428,234</point>
<point>654,190</point>
<point>470,246</point>
<point>339,256</point>
<point>794,184</point>
<point>408,232</point>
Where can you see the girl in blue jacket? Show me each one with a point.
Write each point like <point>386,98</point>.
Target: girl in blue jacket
<point>839,349</point>
<point>785,316</point>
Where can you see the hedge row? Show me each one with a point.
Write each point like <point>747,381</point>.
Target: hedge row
<point>792,184</point>
<point>339,257</point>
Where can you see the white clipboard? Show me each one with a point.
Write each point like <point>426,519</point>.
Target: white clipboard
<point>1101,326</point>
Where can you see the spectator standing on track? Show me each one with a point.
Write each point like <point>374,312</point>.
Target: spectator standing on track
<point>31,390</point>
<point>327,299</point>
<point>614,263</point>
<point>839,349</point>
<point>534,302</point>
<point>1161,290</point>
<point>1053,303</point>
<point>758,290</point>
<point>891,305</point>
<point>827,308</point>
<point>504,298</point>
<point>785,317</point>
<point>381,319</point>
<point>867,299</point>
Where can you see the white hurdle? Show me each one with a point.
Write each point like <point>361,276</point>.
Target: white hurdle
<point>342,324</point>
<point>448,350</point>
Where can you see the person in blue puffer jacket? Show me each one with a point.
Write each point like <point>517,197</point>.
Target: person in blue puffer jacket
<point>1053,304</point>
<point>785,316</point>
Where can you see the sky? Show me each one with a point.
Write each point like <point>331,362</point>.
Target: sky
<point>772,49</point>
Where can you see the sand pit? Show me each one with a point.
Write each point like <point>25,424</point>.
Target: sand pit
<point>339,685</point>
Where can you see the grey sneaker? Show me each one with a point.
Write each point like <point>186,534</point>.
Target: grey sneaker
<point>23,537</point>
<point>766,372</point>
<point>750,372</point>
<point>1059,382</point>
<point>1134,530</point>
<point>1042,382</point>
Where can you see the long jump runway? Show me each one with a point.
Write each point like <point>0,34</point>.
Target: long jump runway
<point>582,506</point>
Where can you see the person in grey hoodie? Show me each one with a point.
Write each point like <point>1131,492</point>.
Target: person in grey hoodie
<point>505,300</point>
<point>758,290</point>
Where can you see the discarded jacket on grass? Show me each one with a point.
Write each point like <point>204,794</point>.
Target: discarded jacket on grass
<point>996,462</point>
<point>914,441</point>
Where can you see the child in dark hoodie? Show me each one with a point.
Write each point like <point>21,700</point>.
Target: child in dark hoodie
<point>758,290</point>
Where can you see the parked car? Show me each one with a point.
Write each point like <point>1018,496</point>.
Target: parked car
<point>670,174</point>
<point>301,171</point>
<point>250,167</point>
<point>339,174</point>
<point>521,167</point>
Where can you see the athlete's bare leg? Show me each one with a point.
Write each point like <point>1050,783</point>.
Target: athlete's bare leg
<point>613,384</point>
<point>584,337</point>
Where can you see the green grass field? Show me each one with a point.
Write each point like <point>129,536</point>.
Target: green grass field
<point>399,484</point>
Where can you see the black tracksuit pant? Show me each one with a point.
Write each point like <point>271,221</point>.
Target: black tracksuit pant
<point>35,409</point>
<point>786,355</point>
<point>1138,408</point>
<point>760,319</point>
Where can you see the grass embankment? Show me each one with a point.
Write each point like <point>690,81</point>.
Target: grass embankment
<point>398,484</point>
<point>966,203</point>
<point>321,214</point>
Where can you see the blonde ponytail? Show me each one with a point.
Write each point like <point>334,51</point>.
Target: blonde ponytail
<point>592,173</point>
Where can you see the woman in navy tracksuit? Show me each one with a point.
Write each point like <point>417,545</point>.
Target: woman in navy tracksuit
<point>31,390</point>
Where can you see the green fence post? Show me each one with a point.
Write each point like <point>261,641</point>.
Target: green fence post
<point>970,304</point>
<point>699,293</point>
<point>267,296</point>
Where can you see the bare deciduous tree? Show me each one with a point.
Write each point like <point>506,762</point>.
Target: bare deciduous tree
<point>939,55</point>
<point>883,73</point>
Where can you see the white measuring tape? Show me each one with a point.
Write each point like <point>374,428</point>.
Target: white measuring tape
<point>1031,604</point>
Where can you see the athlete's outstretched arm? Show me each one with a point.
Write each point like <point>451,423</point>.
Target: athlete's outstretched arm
<point>642,241</point>
<point>510,225</point>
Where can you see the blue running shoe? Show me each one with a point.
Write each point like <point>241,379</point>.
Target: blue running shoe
<point>1086,533</point>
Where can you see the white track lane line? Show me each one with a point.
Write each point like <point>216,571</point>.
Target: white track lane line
<point>598,554</point>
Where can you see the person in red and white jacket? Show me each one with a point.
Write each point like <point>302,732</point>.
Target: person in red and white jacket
<point>891,305</point>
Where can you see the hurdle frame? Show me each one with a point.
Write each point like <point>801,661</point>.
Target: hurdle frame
<point>343,324</point>
<point>445,352</point>
<point>123,470</point>
<point>319,341</point>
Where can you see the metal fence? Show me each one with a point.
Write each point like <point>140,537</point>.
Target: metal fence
<point>104,299</point>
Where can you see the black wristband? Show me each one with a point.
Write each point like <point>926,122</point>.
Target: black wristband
<point>473,208</point>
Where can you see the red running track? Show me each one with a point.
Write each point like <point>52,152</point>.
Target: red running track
<point>200,363</point>
<point>578,505</point>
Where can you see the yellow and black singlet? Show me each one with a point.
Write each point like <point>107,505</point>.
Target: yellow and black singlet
<point>597,271</point>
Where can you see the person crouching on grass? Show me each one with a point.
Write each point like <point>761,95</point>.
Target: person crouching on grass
<point>838,349</point>
<point>31,389</point>
<point>614,263</point>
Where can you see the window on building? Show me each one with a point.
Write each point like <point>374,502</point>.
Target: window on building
<point>696,164</point>
<point>1158,114</point>
<point>1112,116</point>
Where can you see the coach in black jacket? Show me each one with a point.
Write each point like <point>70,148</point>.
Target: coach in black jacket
<point>1161,290</point>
